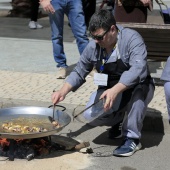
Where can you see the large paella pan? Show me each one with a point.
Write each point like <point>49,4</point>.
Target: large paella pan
<point>31,116</point>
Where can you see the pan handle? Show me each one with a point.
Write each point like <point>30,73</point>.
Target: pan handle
<point>63,108</point>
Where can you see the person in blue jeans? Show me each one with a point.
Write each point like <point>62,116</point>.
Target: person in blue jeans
<point>74,11</point>
<point>166,77</point>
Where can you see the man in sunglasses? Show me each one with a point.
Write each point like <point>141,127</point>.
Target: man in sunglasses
<point>124,82</point>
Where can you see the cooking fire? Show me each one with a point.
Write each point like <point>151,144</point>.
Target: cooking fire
<point>27,132</point>
<point>27,148</point>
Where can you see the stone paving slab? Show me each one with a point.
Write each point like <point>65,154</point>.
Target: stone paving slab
<point>39,87</point>
<point>158,102</point>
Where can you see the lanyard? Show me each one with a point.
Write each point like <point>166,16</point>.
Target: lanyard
<point>106,58</point>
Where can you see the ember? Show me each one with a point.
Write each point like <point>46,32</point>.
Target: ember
<point>27,148</point>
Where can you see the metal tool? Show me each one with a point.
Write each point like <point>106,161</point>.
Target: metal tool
<point>53,111</point>
<point>86,108</point>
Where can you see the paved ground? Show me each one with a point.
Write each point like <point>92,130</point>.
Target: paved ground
<point>27,73</point>
<point>28,69</point>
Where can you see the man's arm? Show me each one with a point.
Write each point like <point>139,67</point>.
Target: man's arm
<point>46,5</point>
<point>59,95</point>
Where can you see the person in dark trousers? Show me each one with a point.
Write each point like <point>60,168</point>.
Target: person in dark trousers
<point>33,24</point>
<point>89,8</point>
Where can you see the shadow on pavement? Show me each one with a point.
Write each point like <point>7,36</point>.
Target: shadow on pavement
<point>84,128</point>
<point>70,68</point>
<point>152,133</point>
<point>153,121</point>
<point>148,140</point>
<point>18,28</point>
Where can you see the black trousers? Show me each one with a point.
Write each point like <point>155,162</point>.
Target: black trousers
<point>89,8</point>
<point>34,10</point>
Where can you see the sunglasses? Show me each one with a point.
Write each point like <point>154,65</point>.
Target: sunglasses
<point>99,37</point>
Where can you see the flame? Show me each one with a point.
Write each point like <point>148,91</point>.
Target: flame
<point>41,145</point>
<point>4,142</point>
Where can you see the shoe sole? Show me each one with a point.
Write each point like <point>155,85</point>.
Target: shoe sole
<point>60,77</point>
<point>138,147</point>
<point>117,137</point>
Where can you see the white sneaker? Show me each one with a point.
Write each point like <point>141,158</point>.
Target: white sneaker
<point>38,25</point>
<point>61,73</point>
<point>34,25</point>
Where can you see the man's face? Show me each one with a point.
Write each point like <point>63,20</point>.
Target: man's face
<point>104,38</point>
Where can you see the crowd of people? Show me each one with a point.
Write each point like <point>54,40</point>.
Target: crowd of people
<point>119,56</point>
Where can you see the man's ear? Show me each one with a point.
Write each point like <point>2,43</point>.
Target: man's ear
<point>113,28</point>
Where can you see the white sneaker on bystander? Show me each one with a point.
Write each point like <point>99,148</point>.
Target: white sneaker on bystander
<point>34,25</point>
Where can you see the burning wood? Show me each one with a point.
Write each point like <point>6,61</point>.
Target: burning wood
<point>28,148</point>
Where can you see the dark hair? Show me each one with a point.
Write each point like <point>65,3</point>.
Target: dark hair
<point>101,19</point>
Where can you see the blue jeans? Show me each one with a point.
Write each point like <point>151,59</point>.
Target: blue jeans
<point>74,11</point>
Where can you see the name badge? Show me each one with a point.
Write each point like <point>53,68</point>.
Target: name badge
<point>100,79</point>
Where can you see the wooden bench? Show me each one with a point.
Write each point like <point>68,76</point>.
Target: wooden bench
<point>156,37</point>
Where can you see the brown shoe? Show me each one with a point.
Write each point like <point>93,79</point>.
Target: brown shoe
<point>61,73</point>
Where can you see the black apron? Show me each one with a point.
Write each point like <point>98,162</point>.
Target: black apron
<point>119,67</point>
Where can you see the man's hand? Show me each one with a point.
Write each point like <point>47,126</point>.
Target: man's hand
<point>148,3</point>
<point>110,97</point>
<point>46,5</point>
<point>60,95</point>
<point>57,97</point>
<point>111,94</point>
